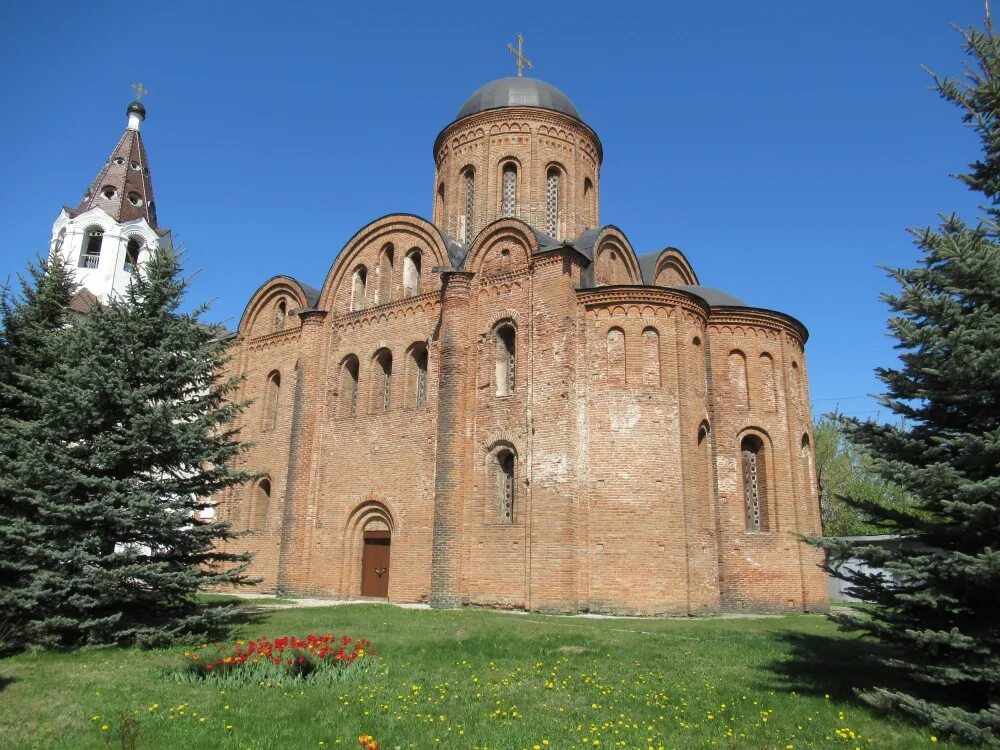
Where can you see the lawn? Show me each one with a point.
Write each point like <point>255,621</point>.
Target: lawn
<point>477,679</point>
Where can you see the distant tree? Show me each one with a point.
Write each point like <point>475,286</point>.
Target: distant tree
<point>845,470</point>
<point>132,436</point>
<point>937,603</point>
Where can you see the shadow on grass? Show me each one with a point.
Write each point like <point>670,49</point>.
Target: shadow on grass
<point>6,682</point>
<point>828,665</point>
<point>839,667</point>
<point>241,617</point>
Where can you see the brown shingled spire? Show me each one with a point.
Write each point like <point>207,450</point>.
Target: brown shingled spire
<point>123,188</point>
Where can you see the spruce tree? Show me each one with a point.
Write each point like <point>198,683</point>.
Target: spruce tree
<point>937,605</point>
<point>134,435</point>
<point>33,326</point>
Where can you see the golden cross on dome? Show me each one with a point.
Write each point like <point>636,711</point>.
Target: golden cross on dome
<point>519,54</point>
<point>140,91</point>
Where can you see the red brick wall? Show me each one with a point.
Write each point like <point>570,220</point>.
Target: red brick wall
<point>628,482</point>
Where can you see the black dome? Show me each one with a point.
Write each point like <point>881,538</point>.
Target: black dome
<point>137,107</point>
<point>518,92</point>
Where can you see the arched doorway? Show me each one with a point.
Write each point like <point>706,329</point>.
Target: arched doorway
<point>367,537</point>
<point>375,563</point>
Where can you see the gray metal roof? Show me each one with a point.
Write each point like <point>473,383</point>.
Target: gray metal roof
<point>714,297</point>
<point>456,250</point>
<point>584,244</point>
<point>518,92</point>
<point>311,292</point>
<point>647,265</point>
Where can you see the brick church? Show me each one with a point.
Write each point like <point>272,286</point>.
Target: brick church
<point>505,404</point>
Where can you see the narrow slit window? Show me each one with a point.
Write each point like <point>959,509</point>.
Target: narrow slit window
<point>506,360</point>
<point>411,273</point>
<point>508,204</point>
<point>259,504</point>
<point>470,204</point>
<point>385,268</point>
<point>359,288</point>
<point>651,357</point>
<point>383,380</point>
<point>552,201</point>
<point>272,392</point>
<point>420,376</point>
<point>754,483</point>
<point>349,387</point>
<point>616,356</point>
<point>280,313</point>
<point>505,470</point>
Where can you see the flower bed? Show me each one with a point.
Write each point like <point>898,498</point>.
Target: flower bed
<point>315,658</point>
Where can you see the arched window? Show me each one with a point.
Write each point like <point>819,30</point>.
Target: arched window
<point>93,238</point>
<point>259,502</point>
<point>468,227</point>
<point>382,382</point>
<point>272,391</point>
<point>418,378</point>
<point>440,202</point>
<point>358,288</point>
<point>411,273</point>
<point>385,262</point>
<point>767,382</point>
<point>796,387</point>
<point>808,489</point>
<point>754,483</point>
<point>651,357</point>
<point>349,386</point>
<point>616,356</point>
<point>504,485</point>
<point>588,200</point>
<point>552,201</point>
<point>132,254</point>
<point>699,372</point>
<point>280,313</point>
<point>738,376</point>
<point>703,468</point>
<point>508,195</point>
<point>506,359</point>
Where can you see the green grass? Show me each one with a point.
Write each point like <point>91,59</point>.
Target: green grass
<point>476,679</point>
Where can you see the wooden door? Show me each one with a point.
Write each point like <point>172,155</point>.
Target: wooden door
<point>375,564</point>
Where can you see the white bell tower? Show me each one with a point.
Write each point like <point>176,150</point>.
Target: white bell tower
<point>113,229</point>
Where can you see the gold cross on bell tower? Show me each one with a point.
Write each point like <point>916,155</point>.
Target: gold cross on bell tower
<point>140,91</point>
<point>518,53</point>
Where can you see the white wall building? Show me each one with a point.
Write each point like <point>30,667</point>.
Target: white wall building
<point>113,229</point>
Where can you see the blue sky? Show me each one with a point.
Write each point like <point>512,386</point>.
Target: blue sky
<point>783,146</point>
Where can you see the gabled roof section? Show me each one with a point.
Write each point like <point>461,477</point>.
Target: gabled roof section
<point>123,188</point>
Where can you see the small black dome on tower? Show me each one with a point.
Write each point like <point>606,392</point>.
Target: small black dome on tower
<point>518,92</point>
<point>137,108</point>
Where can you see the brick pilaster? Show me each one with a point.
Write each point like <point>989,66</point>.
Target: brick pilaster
<point>451,476</point>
